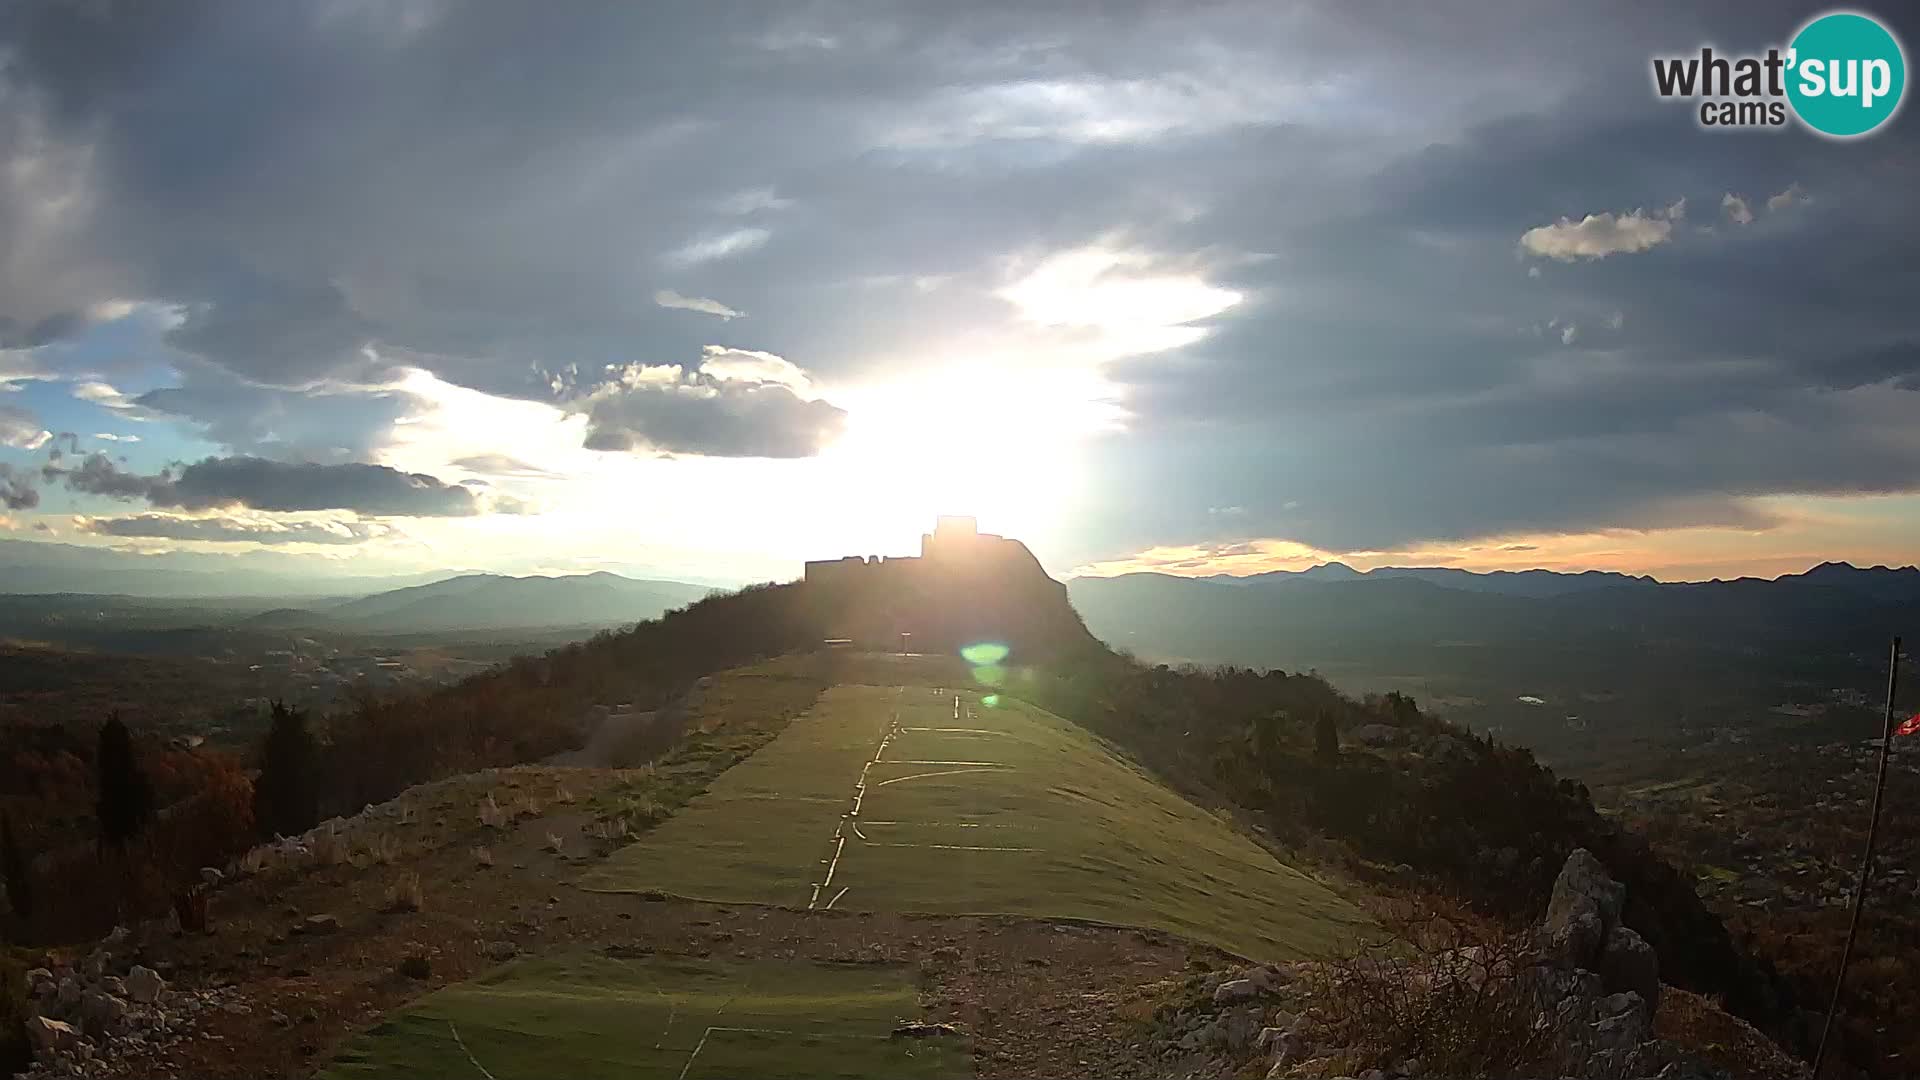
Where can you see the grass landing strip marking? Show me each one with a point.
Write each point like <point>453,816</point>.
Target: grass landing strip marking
<point>851,819</point>
<point>948,772</point>
<point>945,825</point>
<point>462,1043</point>
<point>702,1044</point>
<point>859,793</point>
<point>945,847</point>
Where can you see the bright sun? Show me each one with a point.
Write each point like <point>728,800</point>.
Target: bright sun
<point>995,443</point>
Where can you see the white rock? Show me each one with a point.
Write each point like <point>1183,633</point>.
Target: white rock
<point>1235,990</point>
<point>52,1037</point>
<point>144,984</point>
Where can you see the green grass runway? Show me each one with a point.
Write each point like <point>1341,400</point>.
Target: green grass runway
<point>584,1016</point>
<point>1018,812</point>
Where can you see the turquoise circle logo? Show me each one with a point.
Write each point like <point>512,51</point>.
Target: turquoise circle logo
<point>1847,74</point>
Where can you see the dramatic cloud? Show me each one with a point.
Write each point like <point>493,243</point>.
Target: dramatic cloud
<point>331,420</point>
<point>737,403</point>
<point>1597,235</point>
<point>98,475</point>
<point>1281,243</point>
<point>261,484</point>
<point>103,395</point>
<point>20,430</point>
<point>17,491</point>
<point>1736,209</point>
<point>228,529</point>
<point>667,298</point>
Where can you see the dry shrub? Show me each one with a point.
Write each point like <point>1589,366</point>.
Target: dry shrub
<point>563,795</point>
<point>205,829</point>
<point>405,894</point>
<point>97,891</point>
<point>492,815</point>
<point>190,908</point>
<point>612,832</point>
<point>483,855</point>
<point>1447,988</point>
<point>529,807</point>
<point>555,844</point>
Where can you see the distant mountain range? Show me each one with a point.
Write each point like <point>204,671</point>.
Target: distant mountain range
<point>37,567</point>
<point>492,602</point>
<point>1533,583</point>
<point>1393,615</point>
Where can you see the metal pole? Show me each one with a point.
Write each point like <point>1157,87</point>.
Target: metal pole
<point>1866,862</point>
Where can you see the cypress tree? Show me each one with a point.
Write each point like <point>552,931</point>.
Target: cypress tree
<point>1326,738</point>
<point>125,796</point>
<point>286,798</point>
<point>13,863</point>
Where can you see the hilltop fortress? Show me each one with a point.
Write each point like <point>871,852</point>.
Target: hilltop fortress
<point>956,540</point>
<point>964,586</point>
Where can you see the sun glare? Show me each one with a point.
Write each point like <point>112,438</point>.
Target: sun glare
<point>991,441</point>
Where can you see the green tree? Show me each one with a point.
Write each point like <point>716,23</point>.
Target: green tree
<point>1326,737</point>
<point>125,795</point>
<point>286,798</point>
<point>13,863</point>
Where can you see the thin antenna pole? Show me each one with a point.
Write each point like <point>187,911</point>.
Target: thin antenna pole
<point>1866,862</point>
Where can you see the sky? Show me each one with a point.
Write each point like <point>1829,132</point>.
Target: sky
<point>704,290</point>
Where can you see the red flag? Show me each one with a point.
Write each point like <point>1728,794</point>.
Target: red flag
<point>1911,727</point>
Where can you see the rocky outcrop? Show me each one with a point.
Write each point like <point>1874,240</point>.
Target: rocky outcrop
<point>1584,977</point>
<point>85,1014</point>
<point>1583,930</point>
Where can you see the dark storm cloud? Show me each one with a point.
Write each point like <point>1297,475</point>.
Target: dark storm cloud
<point>721,420</point>
<point>1404,378</point>
<point>501,192</point>
<point>98,475</point>
<point>332,422</point>
<point>17,490</point>
<point>262,484</point>
<point>735,403</point>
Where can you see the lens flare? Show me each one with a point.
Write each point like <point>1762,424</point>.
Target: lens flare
<point>984,652</point>
<point>990,675</point>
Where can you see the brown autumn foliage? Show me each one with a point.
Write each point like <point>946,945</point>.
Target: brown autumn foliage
<point>98,890</point>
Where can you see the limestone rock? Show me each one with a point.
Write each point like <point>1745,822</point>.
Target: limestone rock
<point>51,1037</point>
<point>1378,735</point>
<point>1584,888</point>
<point>1629,964</point>
<point>144,984</point>
<point>1234,991</point>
